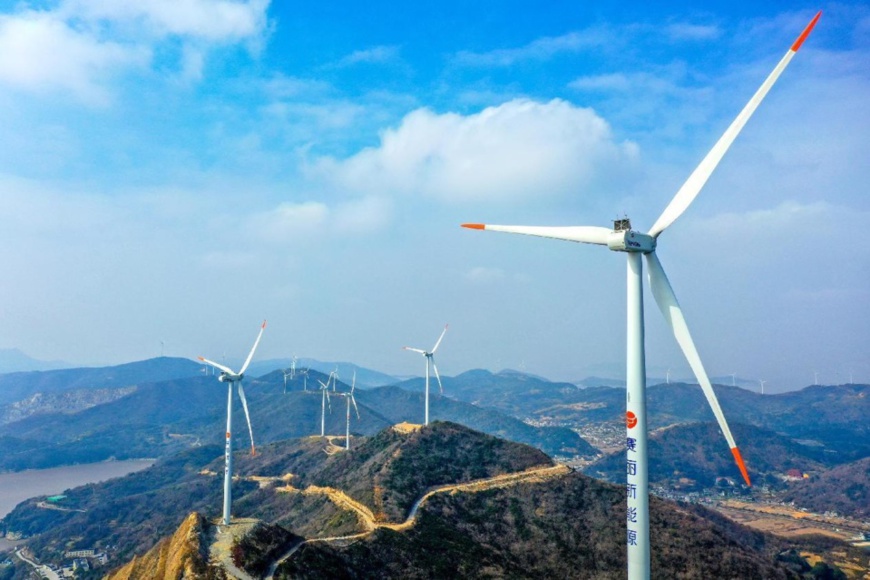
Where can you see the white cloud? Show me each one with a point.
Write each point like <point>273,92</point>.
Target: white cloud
<point>374,55</point>
<point>39,52</point>
<point>80,45</point>
<point>294,221</point>
<point>519,149</point>
<point>213,20</point>
<point>692,32</point>
<point>539,49</point>
<point>484,275</point>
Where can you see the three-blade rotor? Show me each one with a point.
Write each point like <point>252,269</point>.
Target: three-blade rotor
<point>659,284</point>
<point>230,376</point>
<point>430,356</point>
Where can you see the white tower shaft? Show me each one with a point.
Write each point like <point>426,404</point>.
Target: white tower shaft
<point>347,428</point>
<point>323,413</point>
<point>426,419</point>
<point>228,456</point>
<point>637,484</point>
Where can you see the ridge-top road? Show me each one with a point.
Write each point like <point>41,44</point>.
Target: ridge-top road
<point>367,518</point>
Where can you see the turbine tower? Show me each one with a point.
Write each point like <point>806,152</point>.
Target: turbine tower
<point>349,398</point>
<point>324,402</point>
<point>623,239</point>
<point>234,378</point>
<point>430,360</point>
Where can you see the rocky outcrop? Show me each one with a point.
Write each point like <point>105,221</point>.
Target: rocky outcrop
<point>184,555</point>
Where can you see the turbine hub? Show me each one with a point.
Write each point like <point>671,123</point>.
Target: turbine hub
<point>627,240</point>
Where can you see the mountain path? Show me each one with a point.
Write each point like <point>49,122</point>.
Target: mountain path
<point>367,518</point>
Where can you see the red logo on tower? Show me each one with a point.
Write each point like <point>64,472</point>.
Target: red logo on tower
<point>630,419</point>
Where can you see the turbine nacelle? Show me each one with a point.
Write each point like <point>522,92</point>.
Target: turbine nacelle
<point>230,378</point>
<point>630,241</point>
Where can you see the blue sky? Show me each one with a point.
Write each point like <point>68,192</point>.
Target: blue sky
<point>180,170</point>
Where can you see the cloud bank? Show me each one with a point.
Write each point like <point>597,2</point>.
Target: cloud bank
<point>520,149</point>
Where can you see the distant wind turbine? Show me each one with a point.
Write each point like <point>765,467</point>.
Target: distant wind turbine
<point>623,239</point>
<point>430,360</point>
<point>668,376</point>
<point>762,382</point>
<point>234,378</point>
<point>815,377</point>
<point>349,398</point>
<point>286,375</point>
<point>733,379</point>
<point>324,402</point>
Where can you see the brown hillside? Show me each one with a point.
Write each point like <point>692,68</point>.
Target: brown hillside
<point>844,489</point>
<point>183,555</point>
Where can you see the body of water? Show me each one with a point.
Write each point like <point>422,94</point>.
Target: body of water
<point>19,486</point>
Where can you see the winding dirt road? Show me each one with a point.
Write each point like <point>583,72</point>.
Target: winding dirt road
<point>370,524</point>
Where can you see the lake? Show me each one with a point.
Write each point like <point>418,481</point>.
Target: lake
<point>19,486</point>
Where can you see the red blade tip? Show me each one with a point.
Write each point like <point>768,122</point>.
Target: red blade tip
<point>797,43</point>
<point>264,324</point>
<point>200,358</point>
<point>474,226</point>
<point>741,465</point>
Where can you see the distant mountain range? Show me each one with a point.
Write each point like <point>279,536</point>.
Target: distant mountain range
<point>16,386</point>
<point>163,417</point>
<point>13,360</point>
<point>364,377</point>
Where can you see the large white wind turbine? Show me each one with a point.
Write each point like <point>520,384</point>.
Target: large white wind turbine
<point>349,398</point>
<point>234,378</point>
<point>623,239</point>
<point>430,360</point>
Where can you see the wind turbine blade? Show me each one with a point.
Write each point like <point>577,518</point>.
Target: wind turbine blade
<point>247,416</point>
<point>217,365</point>
<point>322,385</point>
<point>583,234</point>
<point>437,376</point>
<point>667,303</point>
<point>440,338</point>
<point>417,350</point>
<point>328,403</point>
<point>353,383</point>
<point>355,408</point>
<point>253,348</point>
<point>698,178</point>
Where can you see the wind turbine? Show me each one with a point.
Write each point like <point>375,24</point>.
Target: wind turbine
<point>623,239</point>
<point>234,378</point>
<point>733,379</point>
<point>304,374</point>
<point>430,360</point>
<point>668,376</point>
<point>350,399</point>
<point>324,402</point>
<point>293,367</point>
<point>762,381</point>
<point>286,374</point>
